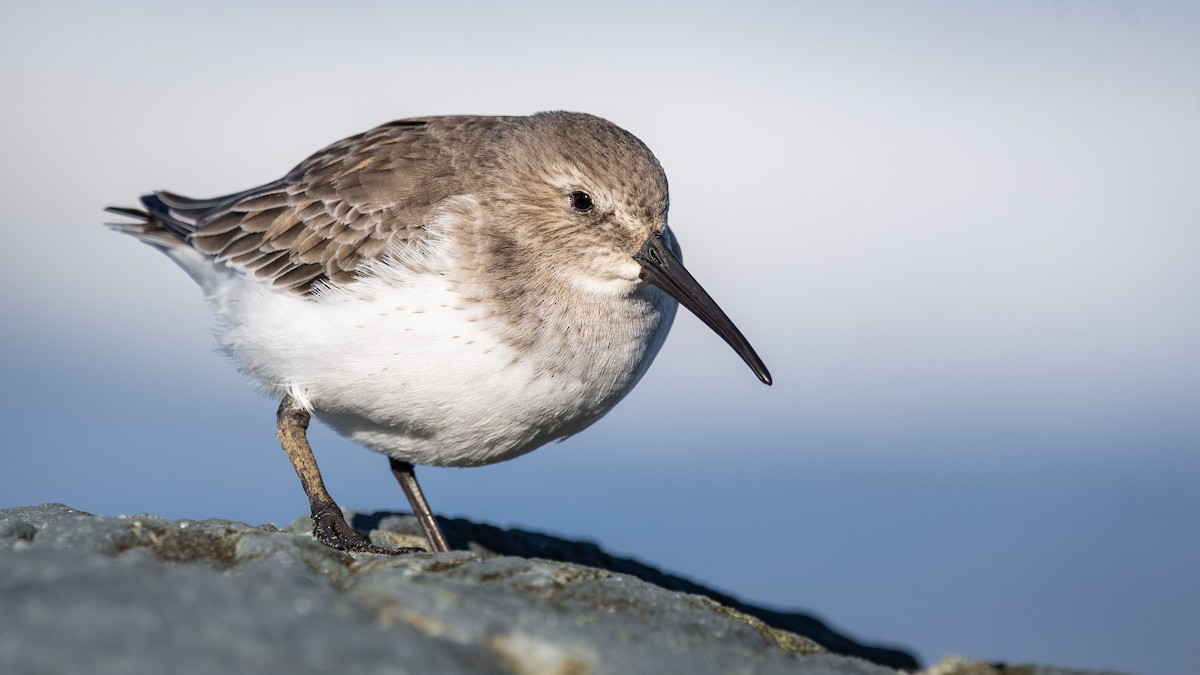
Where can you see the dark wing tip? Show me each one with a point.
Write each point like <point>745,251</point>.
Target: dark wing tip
<point>127,212</point>
<point>156,225</point>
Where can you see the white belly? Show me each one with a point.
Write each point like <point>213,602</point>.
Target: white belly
<point>417,374</point>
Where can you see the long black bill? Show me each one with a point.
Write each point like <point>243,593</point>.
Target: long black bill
<point>661,268</point>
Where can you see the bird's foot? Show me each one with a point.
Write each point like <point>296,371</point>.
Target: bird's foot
<point>330,528</point>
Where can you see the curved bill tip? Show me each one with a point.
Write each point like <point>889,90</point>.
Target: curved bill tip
<point>662,268</point>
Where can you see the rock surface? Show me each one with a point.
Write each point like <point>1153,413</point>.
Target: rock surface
<point>89,594</point>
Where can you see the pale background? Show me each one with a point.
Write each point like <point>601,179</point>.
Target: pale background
<point>963,236</point>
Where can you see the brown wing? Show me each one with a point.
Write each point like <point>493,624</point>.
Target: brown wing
<point>336,211</point>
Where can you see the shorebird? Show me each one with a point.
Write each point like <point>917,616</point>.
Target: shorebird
<point>448,291</point>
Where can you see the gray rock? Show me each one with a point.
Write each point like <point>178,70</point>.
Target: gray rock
<point>87,594</point>
<point>463,534</point>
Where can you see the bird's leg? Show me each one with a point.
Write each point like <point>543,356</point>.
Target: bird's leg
<point>408,481</point>
<point>329,525</point>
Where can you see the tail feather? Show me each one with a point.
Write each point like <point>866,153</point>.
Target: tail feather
<point>147,227</point>
<point>167,220</point>
<point>158,225</point>
<point>190,208</point>
<point>126,211</point>
<point>183,204</point>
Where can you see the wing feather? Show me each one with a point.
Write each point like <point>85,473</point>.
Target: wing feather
<point>335,214</point>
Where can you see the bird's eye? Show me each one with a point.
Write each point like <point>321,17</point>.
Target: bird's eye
<point>581,201</point>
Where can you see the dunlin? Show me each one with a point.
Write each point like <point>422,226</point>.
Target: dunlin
<point>448,291</point>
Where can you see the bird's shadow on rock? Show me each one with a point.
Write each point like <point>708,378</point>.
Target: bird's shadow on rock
<point>466,535</point>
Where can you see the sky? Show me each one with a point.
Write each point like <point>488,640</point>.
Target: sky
<point>963,237</point>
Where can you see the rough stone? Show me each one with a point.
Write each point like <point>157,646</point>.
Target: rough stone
<point>83,593</point>
<point>463,534</point>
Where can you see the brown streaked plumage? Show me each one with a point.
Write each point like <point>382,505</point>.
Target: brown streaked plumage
<point>335,211</point>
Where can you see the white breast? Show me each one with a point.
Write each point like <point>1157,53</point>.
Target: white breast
<point>405,367</point>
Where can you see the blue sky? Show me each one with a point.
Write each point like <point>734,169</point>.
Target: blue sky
<point>963,236</point>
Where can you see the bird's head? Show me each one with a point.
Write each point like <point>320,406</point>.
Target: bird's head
<point>586,202</point>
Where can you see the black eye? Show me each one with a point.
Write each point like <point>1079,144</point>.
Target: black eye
<point>581,201</point>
